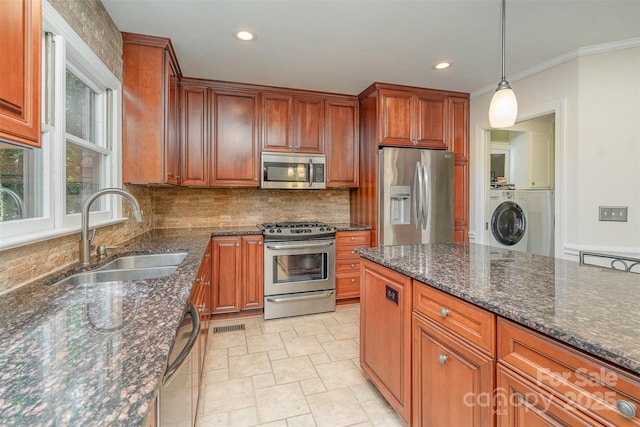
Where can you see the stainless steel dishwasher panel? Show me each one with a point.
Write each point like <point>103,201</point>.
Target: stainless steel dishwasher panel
<point>175,405</point>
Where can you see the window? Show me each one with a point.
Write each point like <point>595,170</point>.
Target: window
<point>42,190</point>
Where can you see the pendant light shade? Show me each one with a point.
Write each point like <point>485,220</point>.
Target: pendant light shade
<point>503,109</point>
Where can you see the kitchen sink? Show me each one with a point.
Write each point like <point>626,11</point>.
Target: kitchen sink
<point>120,275</point>
<point>145,261</point>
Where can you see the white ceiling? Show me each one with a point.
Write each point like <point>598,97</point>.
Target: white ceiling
<point>345,45</point>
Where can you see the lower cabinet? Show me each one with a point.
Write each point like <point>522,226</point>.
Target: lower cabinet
<point>385,334</point>
<point>348,262</point>
<point>452,382</point>
<point>237,269</point>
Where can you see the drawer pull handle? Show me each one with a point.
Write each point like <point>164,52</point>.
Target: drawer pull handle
<point>442,358</point>
<point>444,312</point>
<point>626,409</point>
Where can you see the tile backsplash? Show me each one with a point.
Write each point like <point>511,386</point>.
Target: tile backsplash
<point>176,207</point>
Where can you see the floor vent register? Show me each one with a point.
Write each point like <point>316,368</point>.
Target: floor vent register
<point>228,328</point>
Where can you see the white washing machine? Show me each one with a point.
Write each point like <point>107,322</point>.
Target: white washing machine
<point>508,223</point>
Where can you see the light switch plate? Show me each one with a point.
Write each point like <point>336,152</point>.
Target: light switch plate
<point>613,213</point>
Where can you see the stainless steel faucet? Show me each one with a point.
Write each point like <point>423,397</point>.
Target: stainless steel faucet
<point>86,242</point>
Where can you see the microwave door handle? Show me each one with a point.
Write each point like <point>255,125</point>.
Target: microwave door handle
<point>310,173</point>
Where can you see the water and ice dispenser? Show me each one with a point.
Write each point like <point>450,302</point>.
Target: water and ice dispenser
<point>400,204</point>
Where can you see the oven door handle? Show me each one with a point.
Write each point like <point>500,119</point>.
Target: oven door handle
<point>301,246</point>
<point>303,297</point>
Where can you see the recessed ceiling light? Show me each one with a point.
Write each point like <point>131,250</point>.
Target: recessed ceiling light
<point>244,35</point>
<point>442,65</point>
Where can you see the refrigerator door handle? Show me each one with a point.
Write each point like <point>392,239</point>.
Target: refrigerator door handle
<point>416,194</point>
<point>425,195</point>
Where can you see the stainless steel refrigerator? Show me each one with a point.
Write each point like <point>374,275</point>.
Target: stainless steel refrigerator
<point>415,199</point>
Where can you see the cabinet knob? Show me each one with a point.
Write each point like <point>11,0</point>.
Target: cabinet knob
<point>353,237</point>
<point>255,179</point>
<point>533,184</point>
<point>353,266</point>
<point>207,283</point>
<point>178,177</point>
<point>201,308</point>
<point>353,251</point>
<point>353,280</point>
<point>199,280</point>
<point>207,255</point>
<point>169,173</point>
<point>444,312</point>
<point>237,245</point>
<point>295,147</point>
<point>259,243</point>
<point>626,409</point>
<point>442,358</point>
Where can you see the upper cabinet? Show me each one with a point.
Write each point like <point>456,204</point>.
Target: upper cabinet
<point>21,39</point>
<point>415,118</point>
<point>235,153</point>
<point>150,136</point>
<point>532,156</point>
<point>341,135</point>
<point>292,123</point>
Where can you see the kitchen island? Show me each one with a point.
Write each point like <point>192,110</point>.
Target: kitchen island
<point>454,298</point>
<point>94,355</point>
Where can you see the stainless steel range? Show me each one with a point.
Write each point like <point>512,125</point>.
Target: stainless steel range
<point>299,268</point>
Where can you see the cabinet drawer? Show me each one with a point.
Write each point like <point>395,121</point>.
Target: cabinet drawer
<point>458,317</point>
<point>594,386</point>
<point>348,266</point>
<point>353,238</point>
<point>347,286</point>
<point>348,251</point>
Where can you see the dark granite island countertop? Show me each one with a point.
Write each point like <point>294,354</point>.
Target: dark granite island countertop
<point>593,309</point>
<point>93,355</point>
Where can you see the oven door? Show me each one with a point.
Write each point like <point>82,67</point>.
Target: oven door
<point>299,266</point>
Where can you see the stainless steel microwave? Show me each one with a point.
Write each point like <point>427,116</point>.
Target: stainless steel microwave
<point>293,171</point>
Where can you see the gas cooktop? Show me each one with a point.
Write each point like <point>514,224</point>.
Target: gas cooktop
<point>296,230</point>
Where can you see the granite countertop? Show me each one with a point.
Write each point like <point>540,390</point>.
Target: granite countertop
<point>93,355</point>
<point>590,308</point>
<point>350,226</point>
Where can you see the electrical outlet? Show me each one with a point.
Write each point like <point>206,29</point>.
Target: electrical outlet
<point>613,213</point>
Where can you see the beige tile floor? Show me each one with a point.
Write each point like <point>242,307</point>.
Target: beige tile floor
<point>298,371</point>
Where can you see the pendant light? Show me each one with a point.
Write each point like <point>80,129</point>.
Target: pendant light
<point>504,106</point>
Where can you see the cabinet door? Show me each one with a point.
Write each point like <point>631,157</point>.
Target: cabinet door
<point>523,404</point>
<point>172,165</point>
<point>308,124</point>
<point>252,272</point>
<point>457,138</point>
<point>396,118</point>
<point>225,266</point>
<point>385,334</point>
<point>276,122</point>
<point>21,36</point>
<point>541,160</point>
<point>235,156</point>
<point>341,123</point>
<point>195,145</point>
<point>452,382</point>
<point>430,120</point>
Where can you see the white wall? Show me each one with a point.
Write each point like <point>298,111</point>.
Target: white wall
<point>596,99</point>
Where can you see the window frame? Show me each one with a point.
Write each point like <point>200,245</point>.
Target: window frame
<point>51,160</point>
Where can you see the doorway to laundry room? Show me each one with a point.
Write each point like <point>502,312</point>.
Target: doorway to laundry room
<point>522,186</point>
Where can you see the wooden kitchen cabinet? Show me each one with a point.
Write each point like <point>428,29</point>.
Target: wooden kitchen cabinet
<point>20,68</point>
<point>385,334</point>
<point>453,360</point>
<point>341,141</point>
<point>292,123</point>
<point>457,139</point>
<point>348,262</point>
<point>195,135</point>
<point>235,153</point>
<point>452,381</point>
<point>403,116</point>
<point>580,387</point>
<point>150,137</point>
<point>238,282</point>
<point>412,118</point>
